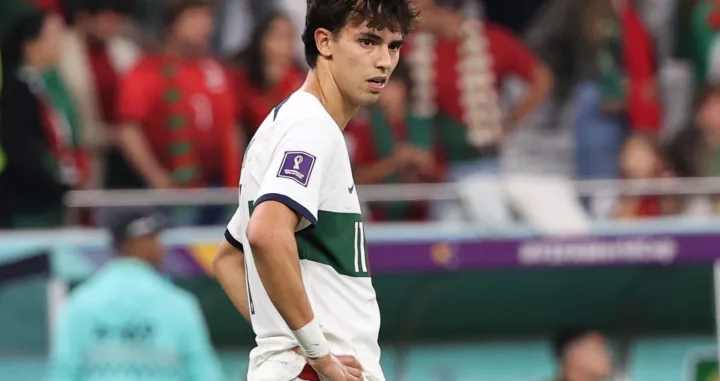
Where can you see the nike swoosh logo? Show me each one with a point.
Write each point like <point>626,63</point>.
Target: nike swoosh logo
<point>351,188</point>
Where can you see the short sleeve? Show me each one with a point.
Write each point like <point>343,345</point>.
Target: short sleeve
<point>298,168</point>
<point>510,54</point>
<point>136,95</point>
<point>233,232</point>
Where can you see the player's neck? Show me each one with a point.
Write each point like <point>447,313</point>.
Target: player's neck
<point>321,84</point>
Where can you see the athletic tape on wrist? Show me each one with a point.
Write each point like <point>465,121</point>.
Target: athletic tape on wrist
<point>312,340</point>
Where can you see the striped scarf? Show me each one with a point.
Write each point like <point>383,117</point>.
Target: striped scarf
<point>184,167</point>
<point>60,124</point>
<point>185,164</point>
<point>476,81</point>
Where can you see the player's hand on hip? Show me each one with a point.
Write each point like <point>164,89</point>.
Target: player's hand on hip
<point>352,366</point>
<point>332,368</point>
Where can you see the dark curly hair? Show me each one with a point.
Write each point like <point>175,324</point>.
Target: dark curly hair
<point>396,15</point>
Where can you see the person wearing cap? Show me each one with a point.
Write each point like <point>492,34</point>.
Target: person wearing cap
<point>129,322</point>
<point>582,355</point>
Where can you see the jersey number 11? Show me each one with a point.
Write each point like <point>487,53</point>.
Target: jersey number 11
<point>360,253</point>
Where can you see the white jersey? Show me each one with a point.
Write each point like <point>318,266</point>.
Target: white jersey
<point>298,157</point>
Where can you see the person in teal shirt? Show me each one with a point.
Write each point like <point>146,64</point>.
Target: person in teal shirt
<point>128,322</point>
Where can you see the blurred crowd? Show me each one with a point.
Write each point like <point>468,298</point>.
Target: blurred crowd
<point>118,94</point>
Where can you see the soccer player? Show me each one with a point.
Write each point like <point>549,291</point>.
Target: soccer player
<point>293,260</point>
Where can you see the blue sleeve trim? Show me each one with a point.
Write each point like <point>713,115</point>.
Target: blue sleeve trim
<point>290,203</point>
<point>233,241</point>
<point>278,107</point>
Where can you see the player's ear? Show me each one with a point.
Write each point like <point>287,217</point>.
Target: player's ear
<point>323,38</point>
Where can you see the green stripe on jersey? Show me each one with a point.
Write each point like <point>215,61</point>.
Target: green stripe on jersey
<point>337,240</point>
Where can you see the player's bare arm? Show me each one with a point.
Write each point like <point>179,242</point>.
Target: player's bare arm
<point>229,269</point>
<point>137,151</point>
<point>271,235</point>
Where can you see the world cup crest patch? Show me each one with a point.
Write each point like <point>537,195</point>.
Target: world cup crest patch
<point>297,166</point>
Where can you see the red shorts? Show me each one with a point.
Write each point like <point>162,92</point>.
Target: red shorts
<point>309,374</point>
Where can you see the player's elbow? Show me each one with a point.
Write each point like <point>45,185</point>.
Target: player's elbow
<point>225,255</point>
<point>260,237</point>
<point>266,240</point>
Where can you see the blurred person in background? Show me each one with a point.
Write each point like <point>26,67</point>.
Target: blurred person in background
<point>388,143</point>
<point>51,6</point>
<point>270,72</point>
<point>602,53</point>
<point>582,355</point>
<point>177,110</point>
<point>235,22</point>
<point>700,22</point>
<point>642,158</point>
<point>702,43</point>
<point>40,133</point>
<point>458,66</point>
<point>128,321</point>
<point>94,57</point>
<point>708,121</point>
<point>695,152</point>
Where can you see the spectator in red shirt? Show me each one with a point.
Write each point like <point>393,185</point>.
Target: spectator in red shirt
<point>94,56</point>
<point>269,73</point>
<point>458,66</point>
<point>177,108</point>
<point>389,144</point>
